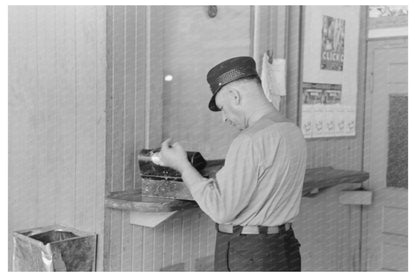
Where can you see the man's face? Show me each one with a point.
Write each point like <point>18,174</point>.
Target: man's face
<point>229,110</point>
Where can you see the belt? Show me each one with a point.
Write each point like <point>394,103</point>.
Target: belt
<point>253,230</point>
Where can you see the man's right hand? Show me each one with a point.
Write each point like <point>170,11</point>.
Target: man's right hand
<point>174,156</point>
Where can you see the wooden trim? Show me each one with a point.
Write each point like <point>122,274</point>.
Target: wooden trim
<point>270,26</point>
<point>252,29</point>
<point>154,76</point>
<point>294,62</point>
<point>388,32</point>
<point>362,78</point>
<point>261,31</point>
<point>386,21</point>
<point>270,32</point>
<point>361,93</point>
<point>371,46</point>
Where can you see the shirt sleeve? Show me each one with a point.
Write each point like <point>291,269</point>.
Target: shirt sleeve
<point>224,197</point>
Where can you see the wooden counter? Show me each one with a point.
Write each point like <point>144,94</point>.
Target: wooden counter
<point>167,196</point>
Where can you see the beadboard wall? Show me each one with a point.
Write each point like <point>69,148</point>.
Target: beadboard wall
<point>57,118</point>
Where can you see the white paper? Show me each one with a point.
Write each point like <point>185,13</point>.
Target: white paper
<point>318,122</point>
<point>329,124</point>
<point>149,219</point>
<point>339,120</point>
<point>273,78</point>
<point>350,121</point>
<point>307,120</point>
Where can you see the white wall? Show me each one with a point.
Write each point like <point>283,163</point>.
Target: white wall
<point>57,118</point>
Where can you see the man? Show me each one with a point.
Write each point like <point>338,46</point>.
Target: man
<point>256,195</point>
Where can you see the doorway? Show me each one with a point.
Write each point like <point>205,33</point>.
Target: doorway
<point>385,155</point>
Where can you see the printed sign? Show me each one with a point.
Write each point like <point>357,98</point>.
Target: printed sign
<point>314,93</point>
<point>332,49</point>
<point>323,114</point>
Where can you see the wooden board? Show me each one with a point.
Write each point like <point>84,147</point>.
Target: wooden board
<point>134,200</point>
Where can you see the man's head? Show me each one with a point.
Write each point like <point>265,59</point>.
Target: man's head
<point>237,100</point>
<point>237,91</point>
<point>229,71</point>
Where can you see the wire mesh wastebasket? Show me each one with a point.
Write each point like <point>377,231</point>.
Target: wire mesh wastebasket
<point>54,248</point>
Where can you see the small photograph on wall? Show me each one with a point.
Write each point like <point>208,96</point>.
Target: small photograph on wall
<point>332,49</point>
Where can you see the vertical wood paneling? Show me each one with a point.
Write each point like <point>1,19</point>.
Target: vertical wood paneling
<point>158,247</point>
<point>127,235</point>
<point>115,241</point>
<point>41,142</point>
<point>195,238</point>
<point>154,74</point>
<point>57,98</point>
<point>167,243</point>
<point>293,61</point>
<point>109,132</point>
<point>137,248</point>
<point>177,240</point>
<point>130,77</point>
<point>212,234</point>
<point>203,241</point>
<point>129,117</point>
<point>130,247</point>
<point>65,55</point>
<point>118,98</point>
<point>117,138</point>
<point>22,120</point>
<point>139,87</point>
<point>100,130</point>
<point>46,71</point>
<point>187,239</point>
<point>148,249</point>
<point>85,27</point>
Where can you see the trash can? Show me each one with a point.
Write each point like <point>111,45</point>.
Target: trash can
<point>54,248</point>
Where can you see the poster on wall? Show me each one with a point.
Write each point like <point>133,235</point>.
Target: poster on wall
<point>330,71</point>
<point>332,47</point>
<point>323,115</point>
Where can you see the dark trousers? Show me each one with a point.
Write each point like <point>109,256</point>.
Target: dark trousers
<point>275,252</point>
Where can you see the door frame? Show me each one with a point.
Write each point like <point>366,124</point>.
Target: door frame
<point>372,45</point>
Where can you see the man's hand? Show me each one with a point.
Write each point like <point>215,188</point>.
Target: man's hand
<point>174,156</point>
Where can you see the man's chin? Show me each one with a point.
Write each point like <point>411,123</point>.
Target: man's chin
<point>238,127</point>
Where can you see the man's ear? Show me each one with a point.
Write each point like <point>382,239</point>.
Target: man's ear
<point>235,96</point>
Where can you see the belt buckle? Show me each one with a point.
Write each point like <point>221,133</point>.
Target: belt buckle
<point>263,230</point>
<point>237,229</point>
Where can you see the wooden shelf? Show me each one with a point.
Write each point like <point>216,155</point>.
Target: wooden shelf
<point>316,180</point>
<point>133,200</point>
